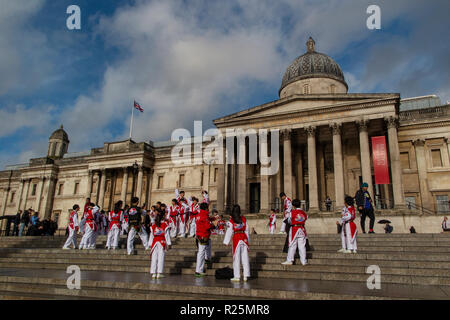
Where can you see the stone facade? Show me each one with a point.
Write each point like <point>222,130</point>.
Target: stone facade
<point>325,150</point>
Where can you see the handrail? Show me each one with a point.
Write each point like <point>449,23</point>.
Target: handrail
<point>422,209</point>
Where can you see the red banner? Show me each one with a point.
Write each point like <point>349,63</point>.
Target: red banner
<point>380,160</point>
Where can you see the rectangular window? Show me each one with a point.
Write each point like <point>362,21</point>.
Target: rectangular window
<point>160,182</point>
<point>404,160</point>
<point>12,197</point>
<point>216,170</point>
<point>75,189</point>
<point>201,178</point>
<point>33,190</point>
<point>60,189</point>
<point>442,204</point>
<point>436,157</point>
<point>181,181</point>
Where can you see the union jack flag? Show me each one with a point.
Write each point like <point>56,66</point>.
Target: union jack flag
<point>138,106</point>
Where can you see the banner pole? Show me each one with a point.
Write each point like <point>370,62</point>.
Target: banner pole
<point>131,121</point>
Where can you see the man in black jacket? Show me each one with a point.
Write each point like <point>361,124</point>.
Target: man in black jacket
<point>17,223</point>
<point>365,207</point>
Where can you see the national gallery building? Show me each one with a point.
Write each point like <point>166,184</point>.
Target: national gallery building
<point>326,150</point>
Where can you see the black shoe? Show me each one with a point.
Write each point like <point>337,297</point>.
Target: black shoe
<point>371,231</point>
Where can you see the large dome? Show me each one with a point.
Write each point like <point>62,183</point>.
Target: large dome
<point>312,64</point>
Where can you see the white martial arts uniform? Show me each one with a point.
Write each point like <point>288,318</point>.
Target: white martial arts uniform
<point>132,231</point>
<point>159,239</point>
<point>115,219</point>
<point>297,235</point>
<point>89,229</point>
<point>272,223</point>
<point>349,230</point>
<point>184,212</point>
<point>240,235</point>
<point>73,228</point>
<point>174,212</point>
<point>195,209</point>
<point>287,207</point>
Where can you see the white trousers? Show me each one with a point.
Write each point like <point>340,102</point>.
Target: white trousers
<point>71,239</point>
<point>241,256</point>
<point>181,228</point>
<point>124,228</point>
<point>192,229</point>
<point>86,239</point>
<point>113,237</point>
<point>93,239</point>
<point>346,240</point>
<point>272,229</point>
<point>157,264</point>
<point>283,227</point>
<point>131,234</point>
<point>203,253</point>
<point>173,229</point>
<point>300,243</point>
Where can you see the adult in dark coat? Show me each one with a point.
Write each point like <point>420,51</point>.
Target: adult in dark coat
<point>365,207</point>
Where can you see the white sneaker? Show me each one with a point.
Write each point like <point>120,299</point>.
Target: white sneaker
<point>287,263</point>
<point>305,264</point>
<point>347,251</point>
<point>154,276</point>
<point>160,275</point>
<point>235,279</point>
<point>66,248</point>
<point>353,251</point>
<point>245,279</point>
<point>341,250</point>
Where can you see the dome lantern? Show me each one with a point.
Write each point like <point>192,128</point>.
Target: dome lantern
<point>58,143</point>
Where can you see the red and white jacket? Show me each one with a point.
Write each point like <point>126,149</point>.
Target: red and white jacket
<point>89,217</point>
<point>239,233</point>
<point>159,235</point>
<point>347,216</point>
<point>221,225</point>
<point>173,213</point>
<point>194,210</point>
<point>73,220</point>
<point>287,207</point>
<point>115,219</point>
<point>297,221</point>
<point>272,220</point>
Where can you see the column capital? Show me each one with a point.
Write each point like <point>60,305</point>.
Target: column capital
<point>419,142</point>
<point>391,122</point>
<point>311,131</point>
<point>336,128</point>
<point>362,124</point>
<point>286,134</point>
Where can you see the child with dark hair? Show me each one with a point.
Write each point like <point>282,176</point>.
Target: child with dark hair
<point>194,210</point>
<point>238,231</point>
<point>349,230</point>
<point>203,232</point>
<point>297,234</point>
<point>115,218</point>
<point>174,211</point>
<point>272,221</point>
<point>73,228</point>
<point>160,243</point>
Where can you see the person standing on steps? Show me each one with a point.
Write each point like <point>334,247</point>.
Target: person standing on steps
<point>272,221</point>
<point>160,243</point>
<point>135,221</point>
<point>238,231</point>
<point>349,230</point>
<point>287,207</point>
<point>115,218</point>
<point>297,234</point>
<point>73,228</point>
<point>204,226</point>
<point>365,207</point>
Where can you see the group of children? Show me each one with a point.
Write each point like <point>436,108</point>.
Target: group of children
<point>189,217</point>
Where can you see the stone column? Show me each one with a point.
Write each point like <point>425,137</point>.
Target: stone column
<point>338,165</point>
<point>396,168</point>
<point>299,165</point>
<point>365,156</point>
<point>5,199</point>
<point>149,187</point>
<point>123,193</point>
<point>312,170</point>
<point>97,185</point>
<point>25,197</point>
<point>264,181</point>
<point>89,184</point>
<point>220,183</point>
<point>19,195</point>
<point>101,196</point>
<point>242,175</point>
<point>139,184</point>
<point>287,163</point>
<point>425,196</point>
<point>447,140</point>
<point>40,188</point>
<point>48,197</point>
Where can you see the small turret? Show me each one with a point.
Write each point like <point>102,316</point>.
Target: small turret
<point>58,144</point>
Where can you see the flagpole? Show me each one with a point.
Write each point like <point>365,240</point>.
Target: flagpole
<point>131,121</point>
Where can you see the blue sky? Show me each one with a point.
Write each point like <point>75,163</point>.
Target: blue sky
<point>194,60</point>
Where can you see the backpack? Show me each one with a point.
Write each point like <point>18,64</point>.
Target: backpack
<point>224,273</point>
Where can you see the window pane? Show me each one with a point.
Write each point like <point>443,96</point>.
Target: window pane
<point>436,156</point>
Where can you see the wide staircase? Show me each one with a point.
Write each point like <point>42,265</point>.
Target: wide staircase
<point>413,266</point>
